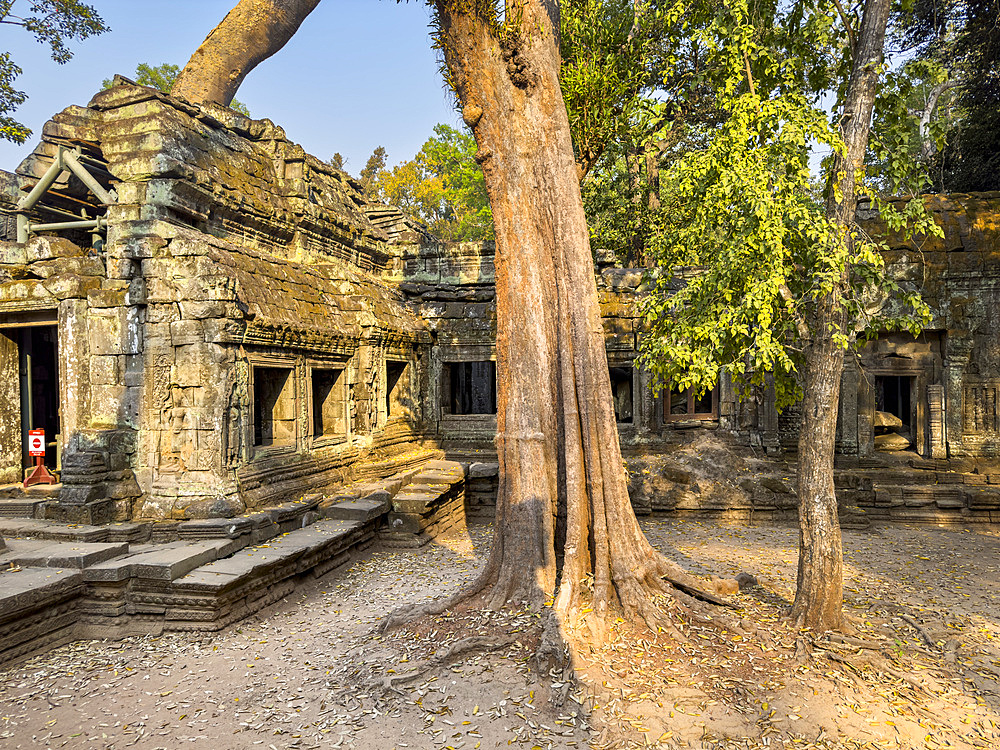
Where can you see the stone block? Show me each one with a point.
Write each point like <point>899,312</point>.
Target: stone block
<point>201,309</point>
<point>983,499</point>
<point>76,266</point>
<point>481,470</point>
<point>13,254</point>
<point>356,510</point>
<point>70,555</point>
<point>106,403</point>
<point>126,488</point>
<point>47,248</point>
<point>228,528</point>
<point>106,370</point>
<point>71,286</point>
<point>187,332</point>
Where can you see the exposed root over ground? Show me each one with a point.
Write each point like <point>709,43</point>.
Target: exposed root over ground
<point>678,676</point>
<point>310,672</point>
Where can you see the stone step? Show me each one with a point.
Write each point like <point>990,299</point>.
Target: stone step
<point>39,610</point>
<point>110,590</point>
<point>357,510</point>
<point>68,532</point>
<point>75,555</point>
<point>161,562</point>
<point>230,589</point>
<point>24,507</point>
<point>431,504</point>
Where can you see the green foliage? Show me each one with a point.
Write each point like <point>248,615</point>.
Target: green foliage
<point>51,22</point>
<point>161,77</point>
<point>748,253</point>
<point>442,186</point>
<point>604,45</point>
<point>955,41</point>
<point>374,165</point>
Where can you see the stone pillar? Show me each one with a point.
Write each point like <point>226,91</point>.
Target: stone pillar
<point>10,412</point>
<point>847,423</point>
<point>958,350</point>
<point>936,422</point>
<point>768,419</point>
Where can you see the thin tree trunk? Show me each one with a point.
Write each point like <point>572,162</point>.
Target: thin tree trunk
<point>249,34</point>
<point>819,592</point>
<point>637,249</point>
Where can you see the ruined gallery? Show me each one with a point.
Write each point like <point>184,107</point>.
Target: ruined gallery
<point>222,339</point>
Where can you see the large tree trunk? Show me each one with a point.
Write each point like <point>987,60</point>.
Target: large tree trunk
<point>819,592</point>
<point>557,438</point>
<point>562,494</point>
<point>249,34</point>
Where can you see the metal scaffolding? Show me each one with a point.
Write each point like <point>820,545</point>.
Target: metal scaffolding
<point>65,161</point>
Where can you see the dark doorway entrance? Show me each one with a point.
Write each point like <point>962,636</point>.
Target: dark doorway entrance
<point>38,368</point>
<point>893,395</point>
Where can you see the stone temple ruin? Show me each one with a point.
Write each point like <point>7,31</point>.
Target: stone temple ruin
<point>225,341</point>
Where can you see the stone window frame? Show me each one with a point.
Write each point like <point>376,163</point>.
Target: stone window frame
<point>320,441</point>
<point>627,363</point>
<point>691,416</point>
<point>274,361</point>
<point>455,355</point>
<point>443,397</point>
<point>408,369</point>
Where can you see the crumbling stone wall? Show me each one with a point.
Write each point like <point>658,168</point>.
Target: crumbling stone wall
<point>229,252</point>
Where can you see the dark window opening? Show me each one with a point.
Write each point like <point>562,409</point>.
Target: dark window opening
<point>273,406</point>
<point>395,385</point>
<point>469,387</point>
<point>892,395</point>
<point>329,403</point>
<point>621,392</point>
<point>689,404</point>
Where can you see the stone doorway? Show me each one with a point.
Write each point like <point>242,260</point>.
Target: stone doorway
<point>894,411</point>
<point>29,396</point>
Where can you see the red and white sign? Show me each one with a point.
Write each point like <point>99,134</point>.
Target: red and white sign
<point>36,442</point>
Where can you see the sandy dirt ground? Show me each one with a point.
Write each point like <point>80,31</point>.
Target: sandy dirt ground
<point>921,670</point>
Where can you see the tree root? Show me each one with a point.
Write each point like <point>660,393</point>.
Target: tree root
<point>444,657</point>
<point>406,614</point>
<point>924,635</point>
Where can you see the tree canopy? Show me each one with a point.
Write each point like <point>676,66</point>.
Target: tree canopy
<point>442,186</point>
<point>52,22</point>
<point>950,79</point>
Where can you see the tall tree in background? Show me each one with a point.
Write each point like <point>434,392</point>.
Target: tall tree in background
<point>952,76</point>
<point>442,186</point>
<point>51,22</point>
<point>374,165</point>
<point>783,281</point>
<point>636,90</point>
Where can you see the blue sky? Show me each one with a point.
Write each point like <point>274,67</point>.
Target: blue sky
<point>358,74</point>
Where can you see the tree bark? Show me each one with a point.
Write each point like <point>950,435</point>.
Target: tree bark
<point>249,34</point>
<point>557,437</point>
<point>819,592</point>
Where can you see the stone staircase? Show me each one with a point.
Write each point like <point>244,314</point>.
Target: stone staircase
<point>61,582</point>
<point>910,489</point>
<point>16,502</point>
